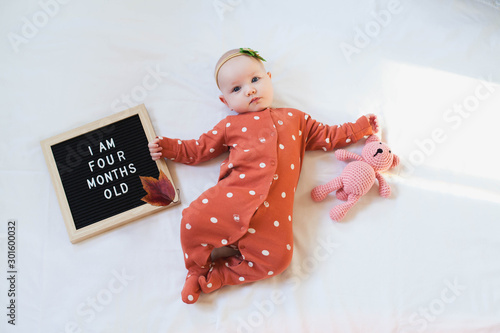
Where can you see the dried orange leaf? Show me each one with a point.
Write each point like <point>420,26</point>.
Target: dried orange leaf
<point>160,192</point>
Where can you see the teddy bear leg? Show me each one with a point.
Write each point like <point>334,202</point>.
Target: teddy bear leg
<point>320,192</point>
<point>341,195</point>
<point>338,212</point>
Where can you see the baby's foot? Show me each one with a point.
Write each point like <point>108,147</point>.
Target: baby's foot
<point>191,290</point>
<point>214,281</point>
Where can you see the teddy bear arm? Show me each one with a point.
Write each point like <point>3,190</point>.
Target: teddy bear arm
<point>383,188</point>
<point>343,155</point>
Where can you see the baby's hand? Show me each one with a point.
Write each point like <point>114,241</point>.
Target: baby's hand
<point>155,149</point>
<point>373,120</point>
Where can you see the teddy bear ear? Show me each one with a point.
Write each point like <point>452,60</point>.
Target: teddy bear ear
<point>372,138</point>
<point>395,160</point>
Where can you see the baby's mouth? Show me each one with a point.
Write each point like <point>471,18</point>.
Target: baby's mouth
<point>255,99</point>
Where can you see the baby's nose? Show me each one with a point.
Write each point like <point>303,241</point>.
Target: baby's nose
<point>251,91</point>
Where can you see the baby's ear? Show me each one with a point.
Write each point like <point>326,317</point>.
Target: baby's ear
<point>223,100</point>
<point>269,74</point>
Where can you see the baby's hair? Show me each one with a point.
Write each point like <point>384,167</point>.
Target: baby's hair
<point>228,55</point>
<point>223,57</point>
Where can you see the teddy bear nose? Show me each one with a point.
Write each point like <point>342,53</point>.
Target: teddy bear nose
<point>379,151</point>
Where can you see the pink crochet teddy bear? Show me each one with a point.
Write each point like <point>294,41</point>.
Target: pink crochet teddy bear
<point>358,177</point>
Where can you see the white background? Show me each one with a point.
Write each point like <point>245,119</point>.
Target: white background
<point>425,260</point>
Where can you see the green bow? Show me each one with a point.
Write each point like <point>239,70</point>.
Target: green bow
<point>251,53</point>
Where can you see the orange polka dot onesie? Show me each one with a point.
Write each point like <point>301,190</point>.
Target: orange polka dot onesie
<point>250,208</point>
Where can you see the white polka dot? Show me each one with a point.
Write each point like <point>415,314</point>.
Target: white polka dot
<point>306,116</point>
<point>227,264</point>
<point>281,146</point>
<point>262,165</point>
<point>327,140</point>
<point>300,133</point>
<point>179,142</point>
<point>290,218</point>
<point>229,195</point>
<point>186,255</point>
<point>256,117</point>
<point>214,132</point>
<point>224,241</point>
<point>228,124</point>
<point>204,201</point>
<point>280,122</point>
<point>348,140</point>
<point>276,223</point>
<point>288,247</point>
<point>250,264</point>
<point>212,150</point>
<point>270,273</point>
<point>293,137</point>
<point>213,220</point>
<point>209,285</point>
<point>236,218</point>
<point>251,192</point>
<point>275,177</point>
<point>204,244</point>
<point>290,114</point>
<point>292,166</point>
<point>266,204</point>
<point>262,140</point>
<point>230,165</point>
<point>283,195</point>
<point>251,230</point>
<point>234,145</point>
<point>241,278</point>
<point>324,148</point>
<point>265,252</point>
<point>197,143</point>
<point>244,129</point>
<point>190,298</point>
<point>242,176</point>
<point>188,226</point>
<point>246,150</point>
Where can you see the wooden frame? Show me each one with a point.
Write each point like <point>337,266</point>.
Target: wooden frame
<point>77,235</point>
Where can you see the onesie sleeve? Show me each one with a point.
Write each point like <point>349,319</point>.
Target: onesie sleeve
<point>209,145</point>
<point>321,136</point>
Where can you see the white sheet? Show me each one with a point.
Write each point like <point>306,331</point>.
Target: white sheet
<point>425,260</point>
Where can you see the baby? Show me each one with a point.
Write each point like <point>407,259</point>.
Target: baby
<point>250,208</point>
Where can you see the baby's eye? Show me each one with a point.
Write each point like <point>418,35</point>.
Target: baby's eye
<point>255,79</point>
<point>236,89</point>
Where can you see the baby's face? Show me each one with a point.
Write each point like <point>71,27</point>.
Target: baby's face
<point>245,85</point>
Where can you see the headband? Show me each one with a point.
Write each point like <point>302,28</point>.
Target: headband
<point>243,51</point>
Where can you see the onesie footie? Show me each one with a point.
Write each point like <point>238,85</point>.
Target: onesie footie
<point>251,206</point>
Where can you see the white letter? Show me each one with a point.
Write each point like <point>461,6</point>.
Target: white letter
<point>18,40</point>
<point>220,8</point>
<point>91,183</point>
<point>29,25</point>
<point>364,41</point>
<point>348,50</point>
<point>51,7</point>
